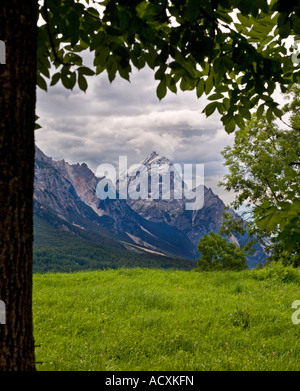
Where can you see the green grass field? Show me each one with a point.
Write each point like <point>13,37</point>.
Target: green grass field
<point>143,319</point>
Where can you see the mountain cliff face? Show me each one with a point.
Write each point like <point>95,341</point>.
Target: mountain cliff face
<point>155,225</point>
<point>66,194</point>
<point>55,195</point>
<point>193,223</point>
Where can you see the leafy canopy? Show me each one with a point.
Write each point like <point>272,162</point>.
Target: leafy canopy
<point>192,45</point>
<point>216,253</point>
<point>234,226</point>
<point>264,173</point>
<point>219,251</point>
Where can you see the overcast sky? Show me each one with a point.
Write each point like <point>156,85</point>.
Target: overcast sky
<point>125,118</point>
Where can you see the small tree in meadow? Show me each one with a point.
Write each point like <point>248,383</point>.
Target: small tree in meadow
<point>218,254</point>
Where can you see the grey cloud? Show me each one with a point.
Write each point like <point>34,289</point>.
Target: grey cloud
<point>127,119</point>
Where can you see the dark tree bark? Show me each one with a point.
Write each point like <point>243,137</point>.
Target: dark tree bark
<point>18,29</point>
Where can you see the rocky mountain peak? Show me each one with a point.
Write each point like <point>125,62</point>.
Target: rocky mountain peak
<point>68,191</point>
<point>155,158</point>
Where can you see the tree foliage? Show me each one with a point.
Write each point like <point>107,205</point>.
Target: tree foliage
<point>220,251</point>
<point>264,172</point>
<point>234,226</point>
<point>237,61</point>
<point>216,253</point>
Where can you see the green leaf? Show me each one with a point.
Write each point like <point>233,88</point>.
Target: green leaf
<point>224,16</point>
<point>68,80</point>
<point>209,83</point>
<point>83,85</point>
<point>230,126</point>
<point>124,72</point>
<point>73,58</point>
<point>93,11</point>
<point>285,29</point>
<point>171,83</point>
<point>278,112</point>
<point>160,73</point>
<point>100,69</point>
<point>239,121</point>
<point>270,221</point>
<point>200,87</point>
<point>260,111</point>
<point>210,108</point>
<point>186,84</point>
<point>37,126</point>
<point>245,112</point>
<point>215,96</point>
<point>86,71</point>
<point>296,24</point>
<point>244,20</point>
<point>220,107</point>
<point>97,40</point>
<point>161,89</point>
<point>41,82</point>
<point>111,68</point>
<point>102,55</point>
<point>121,52</point>
<point>226,119</point>
<point>245,102</point>
<point>115,32</point>
<point>269,115</point>
<point>55,79</point>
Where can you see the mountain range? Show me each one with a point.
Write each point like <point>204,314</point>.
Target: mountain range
<point>74,229</point>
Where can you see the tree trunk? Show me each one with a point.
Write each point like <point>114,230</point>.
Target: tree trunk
<point>18,29</point>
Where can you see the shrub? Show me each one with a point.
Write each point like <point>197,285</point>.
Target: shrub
<point>218,254</point>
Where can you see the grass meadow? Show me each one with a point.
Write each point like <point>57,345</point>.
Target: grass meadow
<point>151,319</point>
